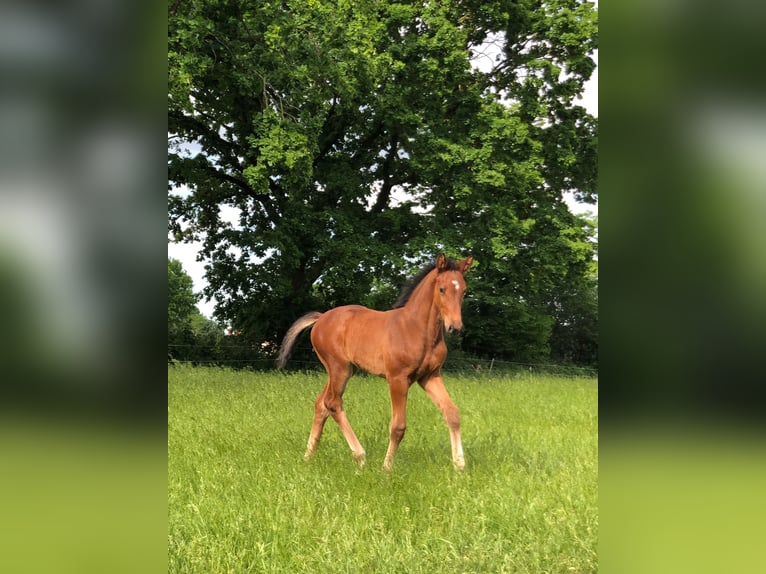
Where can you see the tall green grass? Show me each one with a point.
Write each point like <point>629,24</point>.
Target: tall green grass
<point>242,499</point>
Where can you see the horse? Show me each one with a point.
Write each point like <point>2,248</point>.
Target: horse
<point>404,344</point>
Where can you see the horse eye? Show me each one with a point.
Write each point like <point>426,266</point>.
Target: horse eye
<point>442,290</point>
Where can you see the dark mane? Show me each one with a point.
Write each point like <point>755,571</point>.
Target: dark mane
<point>414,281</point>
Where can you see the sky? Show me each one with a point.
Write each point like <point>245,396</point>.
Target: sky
<point>186,253</point>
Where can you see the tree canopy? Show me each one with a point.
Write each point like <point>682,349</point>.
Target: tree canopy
<point>356,139</point>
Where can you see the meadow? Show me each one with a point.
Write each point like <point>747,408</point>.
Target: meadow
<point>242,499</point>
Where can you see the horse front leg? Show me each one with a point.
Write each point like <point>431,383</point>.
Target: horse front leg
<point>398,388</point>
<point>437,392</point>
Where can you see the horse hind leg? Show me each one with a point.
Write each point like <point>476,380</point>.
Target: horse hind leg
<point>330,403</point>
<point>334,403</point>
<point>320,417</point>
<point>360,456</point>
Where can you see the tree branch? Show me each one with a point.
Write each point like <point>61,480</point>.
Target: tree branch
<point>201,129</point>
<point>388,180</point>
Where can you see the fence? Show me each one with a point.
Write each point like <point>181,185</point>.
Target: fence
<point>303,359</point>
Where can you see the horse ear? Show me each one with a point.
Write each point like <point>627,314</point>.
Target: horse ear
<point>441,263</point>
<point>465,264</point>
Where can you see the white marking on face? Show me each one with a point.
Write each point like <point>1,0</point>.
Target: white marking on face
<point>456,284</point>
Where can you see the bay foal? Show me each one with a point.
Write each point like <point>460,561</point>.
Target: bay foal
<point>405,345</point>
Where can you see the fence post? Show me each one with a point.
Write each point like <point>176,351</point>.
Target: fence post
<point>492,362</point>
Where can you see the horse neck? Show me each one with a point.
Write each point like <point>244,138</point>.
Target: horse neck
<point>421,310</point>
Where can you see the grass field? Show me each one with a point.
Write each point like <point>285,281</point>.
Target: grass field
<point>242,499</point>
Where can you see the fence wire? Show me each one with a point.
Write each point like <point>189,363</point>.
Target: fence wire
<point>303,359</point>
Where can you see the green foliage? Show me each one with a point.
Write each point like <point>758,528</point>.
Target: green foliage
<point>194,338</point>
<point>354,140</point>
<point>575,334</point>
<point>241,497</point>
<point>182,303</point>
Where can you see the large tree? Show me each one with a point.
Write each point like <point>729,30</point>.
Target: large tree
<point>353,139</point>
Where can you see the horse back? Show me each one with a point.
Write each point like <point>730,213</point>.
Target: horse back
<point>353,334</point>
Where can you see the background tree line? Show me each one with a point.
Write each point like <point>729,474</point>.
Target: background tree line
<point>356,140</point>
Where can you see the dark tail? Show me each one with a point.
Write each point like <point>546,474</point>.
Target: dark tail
<point>292,335</point>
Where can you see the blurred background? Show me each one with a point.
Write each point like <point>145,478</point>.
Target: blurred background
<point>82,306</point>
<point>682,162</point>
<point>80,167</point>
<point>82,291</point>
<point>683,273</point>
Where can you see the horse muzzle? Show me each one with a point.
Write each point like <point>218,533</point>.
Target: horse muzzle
<point>455,329</point>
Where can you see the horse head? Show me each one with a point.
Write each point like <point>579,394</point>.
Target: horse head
<point>449,289</point>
